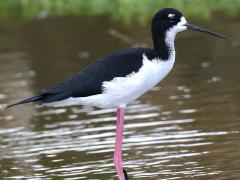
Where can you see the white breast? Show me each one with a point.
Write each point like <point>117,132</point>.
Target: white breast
<point>122,90</point>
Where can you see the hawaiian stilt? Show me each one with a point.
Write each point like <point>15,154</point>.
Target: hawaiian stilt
<point>123,76</point>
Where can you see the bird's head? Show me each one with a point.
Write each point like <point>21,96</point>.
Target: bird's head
<point>170,21</point>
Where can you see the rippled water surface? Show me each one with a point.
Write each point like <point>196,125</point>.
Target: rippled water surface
<point>185,128</point>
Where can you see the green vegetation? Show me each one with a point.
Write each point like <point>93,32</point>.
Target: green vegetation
<point>124,10</point>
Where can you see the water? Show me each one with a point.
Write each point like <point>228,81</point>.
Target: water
<point>186,128</point>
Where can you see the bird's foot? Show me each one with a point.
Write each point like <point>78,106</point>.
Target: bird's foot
<point>125,174</point>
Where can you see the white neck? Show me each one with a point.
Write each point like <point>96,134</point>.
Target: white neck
<point>169,40</point>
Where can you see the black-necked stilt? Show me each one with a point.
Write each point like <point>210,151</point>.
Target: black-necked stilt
<point>123,76</point>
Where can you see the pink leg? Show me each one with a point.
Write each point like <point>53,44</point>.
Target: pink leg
<point>117,159</point>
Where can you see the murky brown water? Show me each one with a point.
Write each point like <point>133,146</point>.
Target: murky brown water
<point>186,128</point>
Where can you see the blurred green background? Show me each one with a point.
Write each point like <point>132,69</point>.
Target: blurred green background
<point>185,128</point>
<point>124,10</point>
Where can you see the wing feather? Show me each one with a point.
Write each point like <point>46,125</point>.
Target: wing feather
<point>89,81</point>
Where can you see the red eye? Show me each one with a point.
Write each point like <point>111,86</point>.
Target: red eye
<point>172,20</point>
<point>171,17</point>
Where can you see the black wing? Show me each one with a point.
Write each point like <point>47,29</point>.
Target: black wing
<point>89,81</point>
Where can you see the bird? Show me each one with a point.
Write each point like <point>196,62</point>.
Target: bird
<point>117,79</point>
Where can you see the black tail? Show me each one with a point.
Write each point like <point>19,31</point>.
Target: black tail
<point>31,99</point>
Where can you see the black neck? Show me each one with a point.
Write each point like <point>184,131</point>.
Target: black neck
<point>161,47</point>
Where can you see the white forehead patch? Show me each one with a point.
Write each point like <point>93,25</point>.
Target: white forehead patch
<point>182,21</point>
<point>171,15</point>
<point>171,32</point>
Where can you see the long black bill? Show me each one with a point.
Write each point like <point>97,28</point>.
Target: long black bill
<point>199,29</point>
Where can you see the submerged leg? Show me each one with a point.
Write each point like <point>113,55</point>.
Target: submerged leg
<point>117,159</point>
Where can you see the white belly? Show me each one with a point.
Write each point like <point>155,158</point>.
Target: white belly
<point>122,90</point>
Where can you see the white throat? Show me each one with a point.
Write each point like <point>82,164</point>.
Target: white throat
<point>171,34</point>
